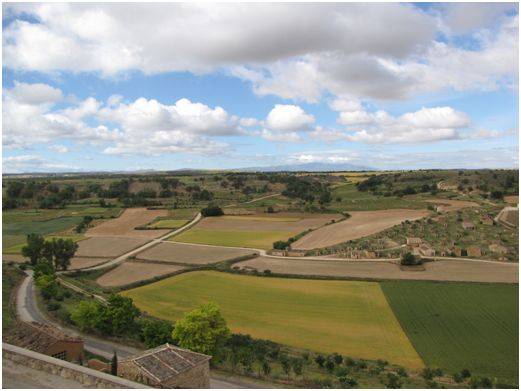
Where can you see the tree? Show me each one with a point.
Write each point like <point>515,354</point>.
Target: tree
<point>393,381</point>
<point>155,332</point>
<point>298,366</point>
<point>119,315</point>
<point>496,195</point>
<point>330,365</point>
<point>47,285</point>
<point>337,358</point>
<point>63,251</point>
<point>409,259</point>
<point>347,382</point>
<point>43,267</point>
<point>34,248</point>
<point>286,365</point>
<point>114,365</point>
<point>320,360</point>
<point>203,330</point>
<point>212,210</point>
<point>266,369</point>
<point>280,245</point>
<point>87,315</point>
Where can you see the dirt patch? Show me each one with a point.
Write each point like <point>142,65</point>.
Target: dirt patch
<point>360,224</point>
<point>438,271</point>
<point>513,200</point>
<point>130,272</point>
<point>446,205</point>
<point>285,222</point>
<point>107,247</point>
<point>16,258</point>
<point>82,262</point>
<point>190,254</point>
<point>124,225</point>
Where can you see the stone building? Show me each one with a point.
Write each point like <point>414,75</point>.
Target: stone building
<point>414,242</point>
<point>474,251</point>
<point>487,220</point>
<point>426,250</point>
<point>46,339</point>
<point>167,366</point>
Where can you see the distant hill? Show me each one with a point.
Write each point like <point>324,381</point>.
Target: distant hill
<point>310,167</point>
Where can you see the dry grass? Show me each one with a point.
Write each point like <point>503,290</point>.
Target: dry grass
<point>451,205</point>
<point>106,247</point>
<point>124,225</point>
<point>449,270</point>
<point>360,224</point>
<point>130,272</point>
<point>190,254</point>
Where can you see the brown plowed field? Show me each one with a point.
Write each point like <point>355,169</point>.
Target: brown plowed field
<point>360,224</point>
<point>107,247</point>
<point>451,205</point>
<point>124,225</point>
<point>17,258</point>
<point>129,272</point>
<point>82,263</point>
<point>513,200</point>
<point>286,222</point>
<point>190,254</point>
<point>450,270</point>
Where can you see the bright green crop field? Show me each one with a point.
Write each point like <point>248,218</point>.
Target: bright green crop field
<point>349,317</point>
<point>231,238</point>
<point>456,325</point>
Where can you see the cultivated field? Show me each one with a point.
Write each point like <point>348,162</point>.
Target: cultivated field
<point>438,271</point>
<point>124,225</point>
<point>360,224</point>
<point>130,272</point>
<point>190,254</point>
<point>456,326</point>
<point>168,223</point>
<point>514,200</point>
<point>106,247</point>
<point>82,262</point>
<point>349,317</point>
<point>256,231</point>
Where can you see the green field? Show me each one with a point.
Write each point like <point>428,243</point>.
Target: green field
<point>457,326</point>
<point>349,317</point>
<point>231,238</point>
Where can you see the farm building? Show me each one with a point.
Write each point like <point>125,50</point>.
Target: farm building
<point>474,251</point>
<point>296,253</point>
<point>279,253</point>
<point>167,366</point>
<point>414,242</point>
<point>46,340</point>
<point>426,250</point>
<point>487,220</point>
<point>468,225</point>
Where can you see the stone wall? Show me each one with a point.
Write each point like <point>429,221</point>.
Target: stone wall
<point>86,376</point>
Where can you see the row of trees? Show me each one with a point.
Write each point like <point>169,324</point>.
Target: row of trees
<point>57,251</point>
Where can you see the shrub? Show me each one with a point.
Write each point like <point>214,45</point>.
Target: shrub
<point>212,210</point>
<point>347,382</point>
<point>320,360</point>
<point>402,372</point>
<point>427,373</point>
<point>393,381</point>
<point>457,377</point>
<point>53,306</point>
<point>409,259</point>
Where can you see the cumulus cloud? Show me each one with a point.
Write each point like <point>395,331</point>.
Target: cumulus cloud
<point>284,123</point>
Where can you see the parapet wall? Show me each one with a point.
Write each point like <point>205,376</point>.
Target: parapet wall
<point>86,376</point>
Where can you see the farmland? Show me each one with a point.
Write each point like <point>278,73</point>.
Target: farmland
<point>348,317</point>
<point>190,254</point>
<point>456,326</point>
<point>360,224</point>
<point>256,231</point>
<point>107,246</point>
<point>130,272</point>
<point>451,270</point>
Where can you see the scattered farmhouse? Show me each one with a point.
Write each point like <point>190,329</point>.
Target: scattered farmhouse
<point>167,366</point>
<point>487,220</point>
<point>45,339</point>
<point>414,242</point>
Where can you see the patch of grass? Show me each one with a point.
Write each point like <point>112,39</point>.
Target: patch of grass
<point>17,248</point>
<point>168,223</point>
<point>456,326</point>
<point>232,238</point>
<point>11,276</point>
<point>40,227</point>
<point>261,218</point>
<point>348,317</point>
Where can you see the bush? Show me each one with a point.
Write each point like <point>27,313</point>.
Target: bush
<point>409,259</point>
<point>347,382</point>
<point>457,377</point>
<point>393,381</point>
<point>280,245</point>
<point>212,210</point>
<point>53,306</point>
<point>427,373</point>
<point>402,372</point>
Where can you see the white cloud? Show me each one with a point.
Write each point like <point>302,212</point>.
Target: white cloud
<point>32,163</point>
<point>280,137</point>
<point>289,118</point>
<point>59,148</point>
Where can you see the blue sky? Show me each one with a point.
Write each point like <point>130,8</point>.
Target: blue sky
<point>168,86</point>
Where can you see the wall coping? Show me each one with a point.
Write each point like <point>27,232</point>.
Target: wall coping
<point>124,383</point>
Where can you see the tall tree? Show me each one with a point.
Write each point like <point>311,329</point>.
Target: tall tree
<point>34,248</point>
<point>114,365</point>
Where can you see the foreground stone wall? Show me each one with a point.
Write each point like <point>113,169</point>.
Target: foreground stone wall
<point>86,376</point>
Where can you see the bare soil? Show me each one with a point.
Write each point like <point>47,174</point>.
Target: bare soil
<point>285,222</point>
<point>82,262</point>
<point>190,254</point>
<point>513,200</point>
<point>16,258</point>
<point>107,247</point>
<point>360,224</point>
<point>124,225</point>
<point>449,270</point>
<point>130,272</point>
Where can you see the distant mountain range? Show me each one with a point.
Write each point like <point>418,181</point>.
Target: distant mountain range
<point>310,167</point>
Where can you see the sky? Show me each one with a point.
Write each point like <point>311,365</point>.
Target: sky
<point>115,86</point>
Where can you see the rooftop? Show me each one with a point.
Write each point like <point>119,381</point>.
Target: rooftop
<point>36,336</point>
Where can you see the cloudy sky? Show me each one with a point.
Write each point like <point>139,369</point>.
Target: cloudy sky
<point>169,86</point>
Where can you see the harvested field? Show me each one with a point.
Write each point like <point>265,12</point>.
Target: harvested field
<point>107,247</point>
<point>450,270</point>
<point>124,225</point>
<point>446,205</point>
<point>130,272</point>
<point>360,224</point>
<point>16,258</point>
<point>509,216</point>
<point>458,325</point>
<point>190,254</point>
<point>82,262</point>
<point>348,317</point>
<point>256,231</point>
